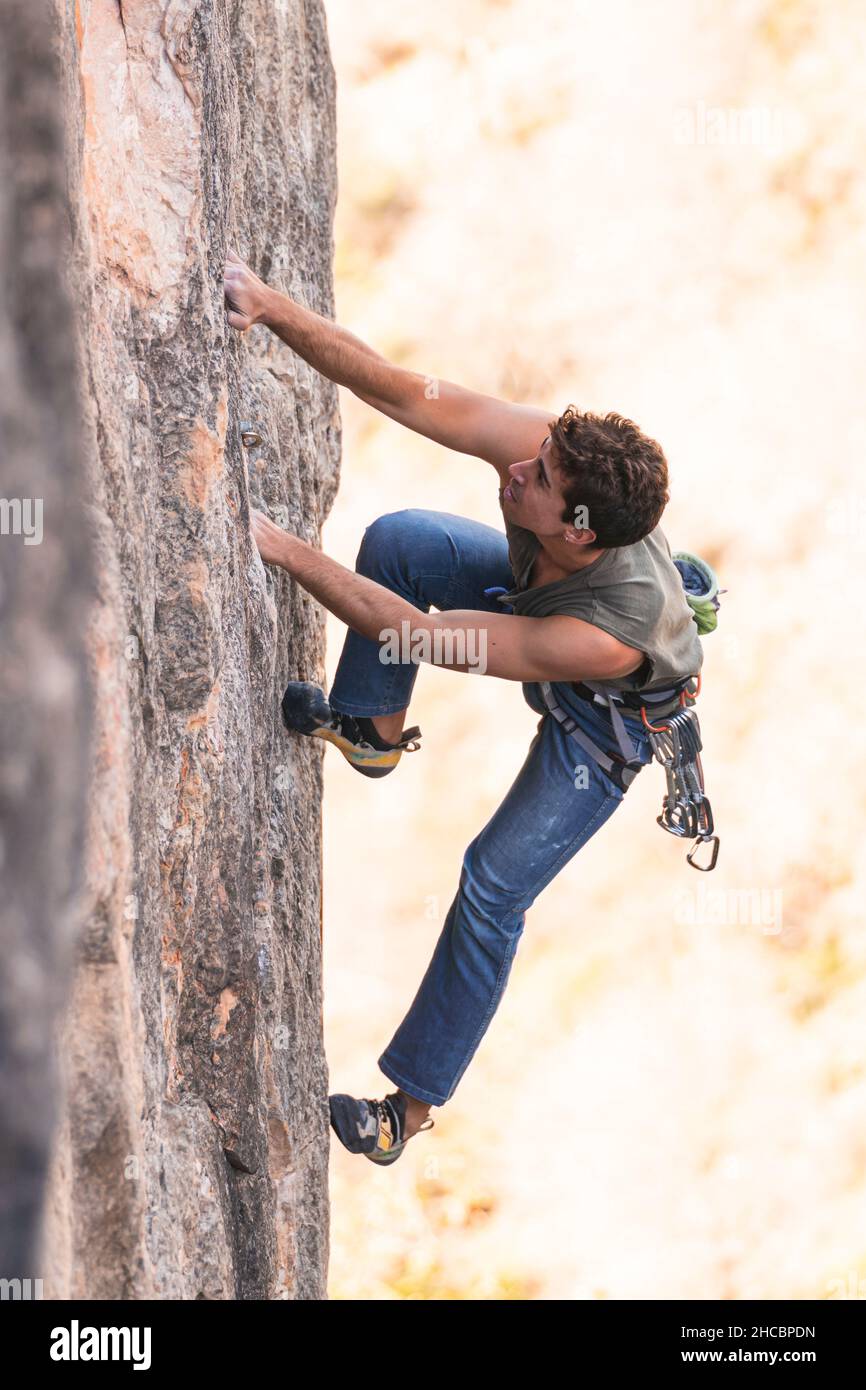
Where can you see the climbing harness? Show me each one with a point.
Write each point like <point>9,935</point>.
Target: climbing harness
<point>675,739</point>
<point>676,744</point>
<point>621,769</point>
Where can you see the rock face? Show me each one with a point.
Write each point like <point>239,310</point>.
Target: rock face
<point>191,1162</point>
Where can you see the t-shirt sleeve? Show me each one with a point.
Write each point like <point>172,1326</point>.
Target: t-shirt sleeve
<point>614,624</point>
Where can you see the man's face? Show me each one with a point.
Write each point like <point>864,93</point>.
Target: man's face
<point>533,497</point>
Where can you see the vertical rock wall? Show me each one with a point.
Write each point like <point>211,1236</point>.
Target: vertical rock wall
<point>192,1157</point>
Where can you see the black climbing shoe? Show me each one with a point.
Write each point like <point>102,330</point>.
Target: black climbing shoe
<point>306,711</point>
<point>374,1128</point>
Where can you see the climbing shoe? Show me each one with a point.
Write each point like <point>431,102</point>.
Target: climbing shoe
<point>306,711</point>
<point>374,1128</point>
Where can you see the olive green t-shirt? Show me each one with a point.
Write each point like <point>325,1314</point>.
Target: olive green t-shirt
<point>634,592</point>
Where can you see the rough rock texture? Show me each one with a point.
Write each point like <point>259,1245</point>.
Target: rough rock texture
<point>43,614</point>
<point>192,1158</point>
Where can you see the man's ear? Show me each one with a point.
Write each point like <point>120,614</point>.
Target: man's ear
<point>579,535</point>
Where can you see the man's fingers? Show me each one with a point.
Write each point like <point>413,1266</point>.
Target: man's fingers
<point>236,317</point>
<point>238,289</point>
<point>269,537</point>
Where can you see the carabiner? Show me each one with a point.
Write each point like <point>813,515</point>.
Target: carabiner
<point>704,840</point>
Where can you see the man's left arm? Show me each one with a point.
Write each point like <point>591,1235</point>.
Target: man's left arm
<point>558,648</point>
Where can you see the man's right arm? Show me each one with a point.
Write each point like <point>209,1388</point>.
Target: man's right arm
<point>498,431</point>
<point>467,421</point>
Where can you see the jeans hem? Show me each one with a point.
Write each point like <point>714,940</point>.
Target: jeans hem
<point>365,709</point>
<point>417,1091</point>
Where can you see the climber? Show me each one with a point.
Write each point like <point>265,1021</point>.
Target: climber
<point>579,600</point>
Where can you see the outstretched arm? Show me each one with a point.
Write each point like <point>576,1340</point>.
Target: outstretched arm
<point>467,421</point>
<point>558,648</point>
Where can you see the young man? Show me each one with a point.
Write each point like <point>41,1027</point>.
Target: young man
<point>596,606</point>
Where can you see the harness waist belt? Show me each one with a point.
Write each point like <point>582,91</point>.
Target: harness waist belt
<point>660,702</point>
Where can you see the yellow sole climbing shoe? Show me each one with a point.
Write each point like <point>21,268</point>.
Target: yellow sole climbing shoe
<point>306,711</point>
<point>374,1128</point>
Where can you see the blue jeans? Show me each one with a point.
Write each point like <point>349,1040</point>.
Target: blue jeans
<point>558,800</point>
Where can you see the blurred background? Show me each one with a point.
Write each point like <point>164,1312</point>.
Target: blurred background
<point>658,210</point>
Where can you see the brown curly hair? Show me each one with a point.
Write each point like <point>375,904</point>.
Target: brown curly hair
<point>613,470</point>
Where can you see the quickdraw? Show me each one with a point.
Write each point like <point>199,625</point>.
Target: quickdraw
<point>686,810</point>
